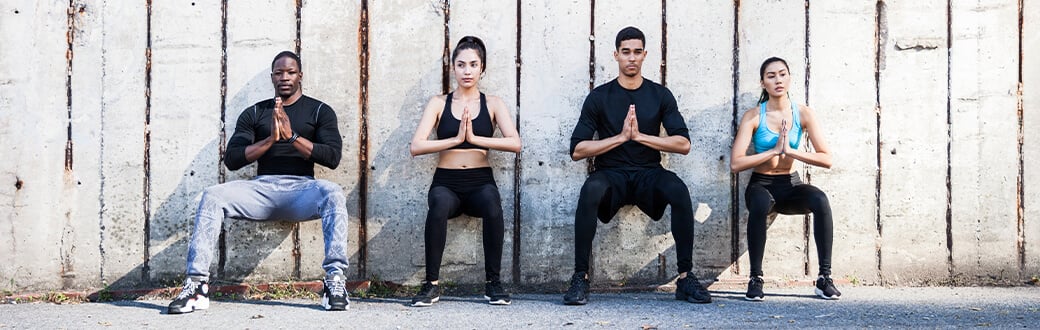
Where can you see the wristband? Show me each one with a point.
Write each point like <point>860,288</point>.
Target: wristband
<point>293,138</point>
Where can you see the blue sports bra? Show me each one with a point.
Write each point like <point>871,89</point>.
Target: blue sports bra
<point>765,138</point>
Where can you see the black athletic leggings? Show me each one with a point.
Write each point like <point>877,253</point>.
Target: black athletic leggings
<point>464,191</point>
<point>605,191</point>
<point>786,194</point>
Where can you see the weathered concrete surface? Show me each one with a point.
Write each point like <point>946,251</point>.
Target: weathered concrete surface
<point>329,49</point>
<point>88,221</point>
<point>108,130</point>
<point>407,38</point>
<point>783,36</point>
<point>184,134</point>
<point>842,94</point>
<point>554,79</point>
<point>913,96</point>
<point>1031,147</point>
<point>984,127</point>
<point>32,65</point>
<point>495,24</point>
<point>256,32</point>
<point>631,233</point>
<point>700,74</point>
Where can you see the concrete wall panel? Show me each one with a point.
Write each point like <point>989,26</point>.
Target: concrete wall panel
<point>913,152</point>
<point>108,133</point>
<point>1031,147</point>
<point>842,94</point>
<point>495,23</point>
<point>256,32</point>
<point>766,29</point>
<point>329,49</point>
<point>185,135</point>
<point>631,233</point>
<point>984,108</point>
<point>700,74</point>
<point>33,69</point>
<point>404,78</point>
<point>554,80</point>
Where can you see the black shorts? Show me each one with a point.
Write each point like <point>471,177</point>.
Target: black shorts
<point>632,186</point>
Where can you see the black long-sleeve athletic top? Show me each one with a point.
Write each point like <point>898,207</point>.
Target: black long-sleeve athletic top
<point>604,113</point>
<point>310,118</point>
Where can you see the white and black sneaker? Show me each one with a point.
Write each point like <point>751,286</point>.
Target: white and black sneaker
<point>494,293</point>
<point>825,288</point>
<point>334,293</point>
<point>194,296</point>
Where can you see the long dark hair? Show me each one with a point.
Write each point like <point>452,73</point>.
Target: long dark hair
<point>762,75</point>
<point>474,43</point>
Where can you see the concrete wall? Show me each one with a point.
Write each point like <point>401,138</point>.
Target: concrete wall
<point>115,117</point>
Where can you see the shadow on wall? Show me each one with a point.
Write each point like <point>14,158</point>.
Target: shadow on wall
<point>172,222</point>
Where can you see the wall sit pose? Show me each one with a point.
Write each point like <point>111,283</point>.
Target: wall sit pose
<point>286,135</point>
<point>627,113</point>
<point>463,183</point>
<point>775,130</point>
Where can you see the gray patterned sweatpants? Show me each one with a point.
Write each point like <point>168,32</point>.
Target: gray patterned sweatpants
<point>265,198</point>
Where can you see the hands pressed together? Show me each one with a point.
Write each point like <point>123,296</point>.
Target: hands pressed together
<point>465,128</point>
<point>780,149</point>
<point>630,130</point>
<point>282,128</point>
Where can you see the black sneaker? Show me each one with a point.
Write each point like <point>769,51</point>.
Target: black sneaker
<point>754,289</point>
<point>690,289</point>
<point>194,296</point>
<point>825,288</point>
<point>334,293</point>
<point>428,294</point>
<point>494,293</point>
<point>578,294</point>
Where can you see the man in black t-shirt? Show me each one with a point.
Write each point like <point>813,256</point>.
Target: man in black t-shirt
<point>286,136</point>
<point>627,114</point>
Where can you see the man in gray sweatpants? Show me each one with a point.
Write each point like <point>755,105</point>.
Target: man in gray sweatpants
<point>286,136</point>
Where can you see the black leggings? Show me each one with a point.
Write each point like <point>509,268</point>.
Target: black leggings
<point>464,191</point>
<point>786,194</point>
<point>607,190</point>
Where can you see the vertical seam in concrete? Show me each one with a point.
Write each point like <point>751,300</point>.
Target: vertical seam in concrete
<point>517,161</point>
<point>445,58</point>
<point>147,189</point>
<point>70,35</point>
<point>296,249</point>
<point>664,42</point>
<point>1020,193</point>
<point>949,137</point>
<point>734,178</point>
<point>101,158</point>
<point>222,173</point>
<point>808,175</point>
<point>363,142</point>
<point>879,35</point>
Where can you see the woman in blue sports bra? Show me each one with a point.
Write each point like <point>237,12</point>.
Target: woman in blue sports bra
<point>774,129</point>
<point>463,183</point>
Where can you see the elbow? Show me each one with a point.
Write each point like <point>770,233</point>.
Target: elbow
<point>733,168</point>
<point>413,151</point>
<point>517,146</point>
<point>576,157</point>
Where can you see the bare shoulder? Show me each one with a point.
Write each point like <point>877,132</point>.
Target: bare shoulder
<point>806,112</point>
<point>495,102</point>
<point>750,114</point>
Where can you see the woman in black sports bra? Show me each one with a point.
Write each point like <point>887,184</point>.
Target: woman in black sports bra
<point>463,183</point>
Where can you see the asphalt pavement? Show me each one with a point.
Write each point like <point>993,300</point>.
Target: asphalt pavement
<point>880,307</point>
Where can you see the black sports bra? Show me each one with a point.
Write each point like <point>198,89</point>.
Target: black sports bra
<point>449,125</point>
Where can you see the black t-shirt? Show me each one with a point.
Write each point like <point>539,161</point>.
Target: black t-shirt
<point>310,118</point>
<point>604,113</point>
